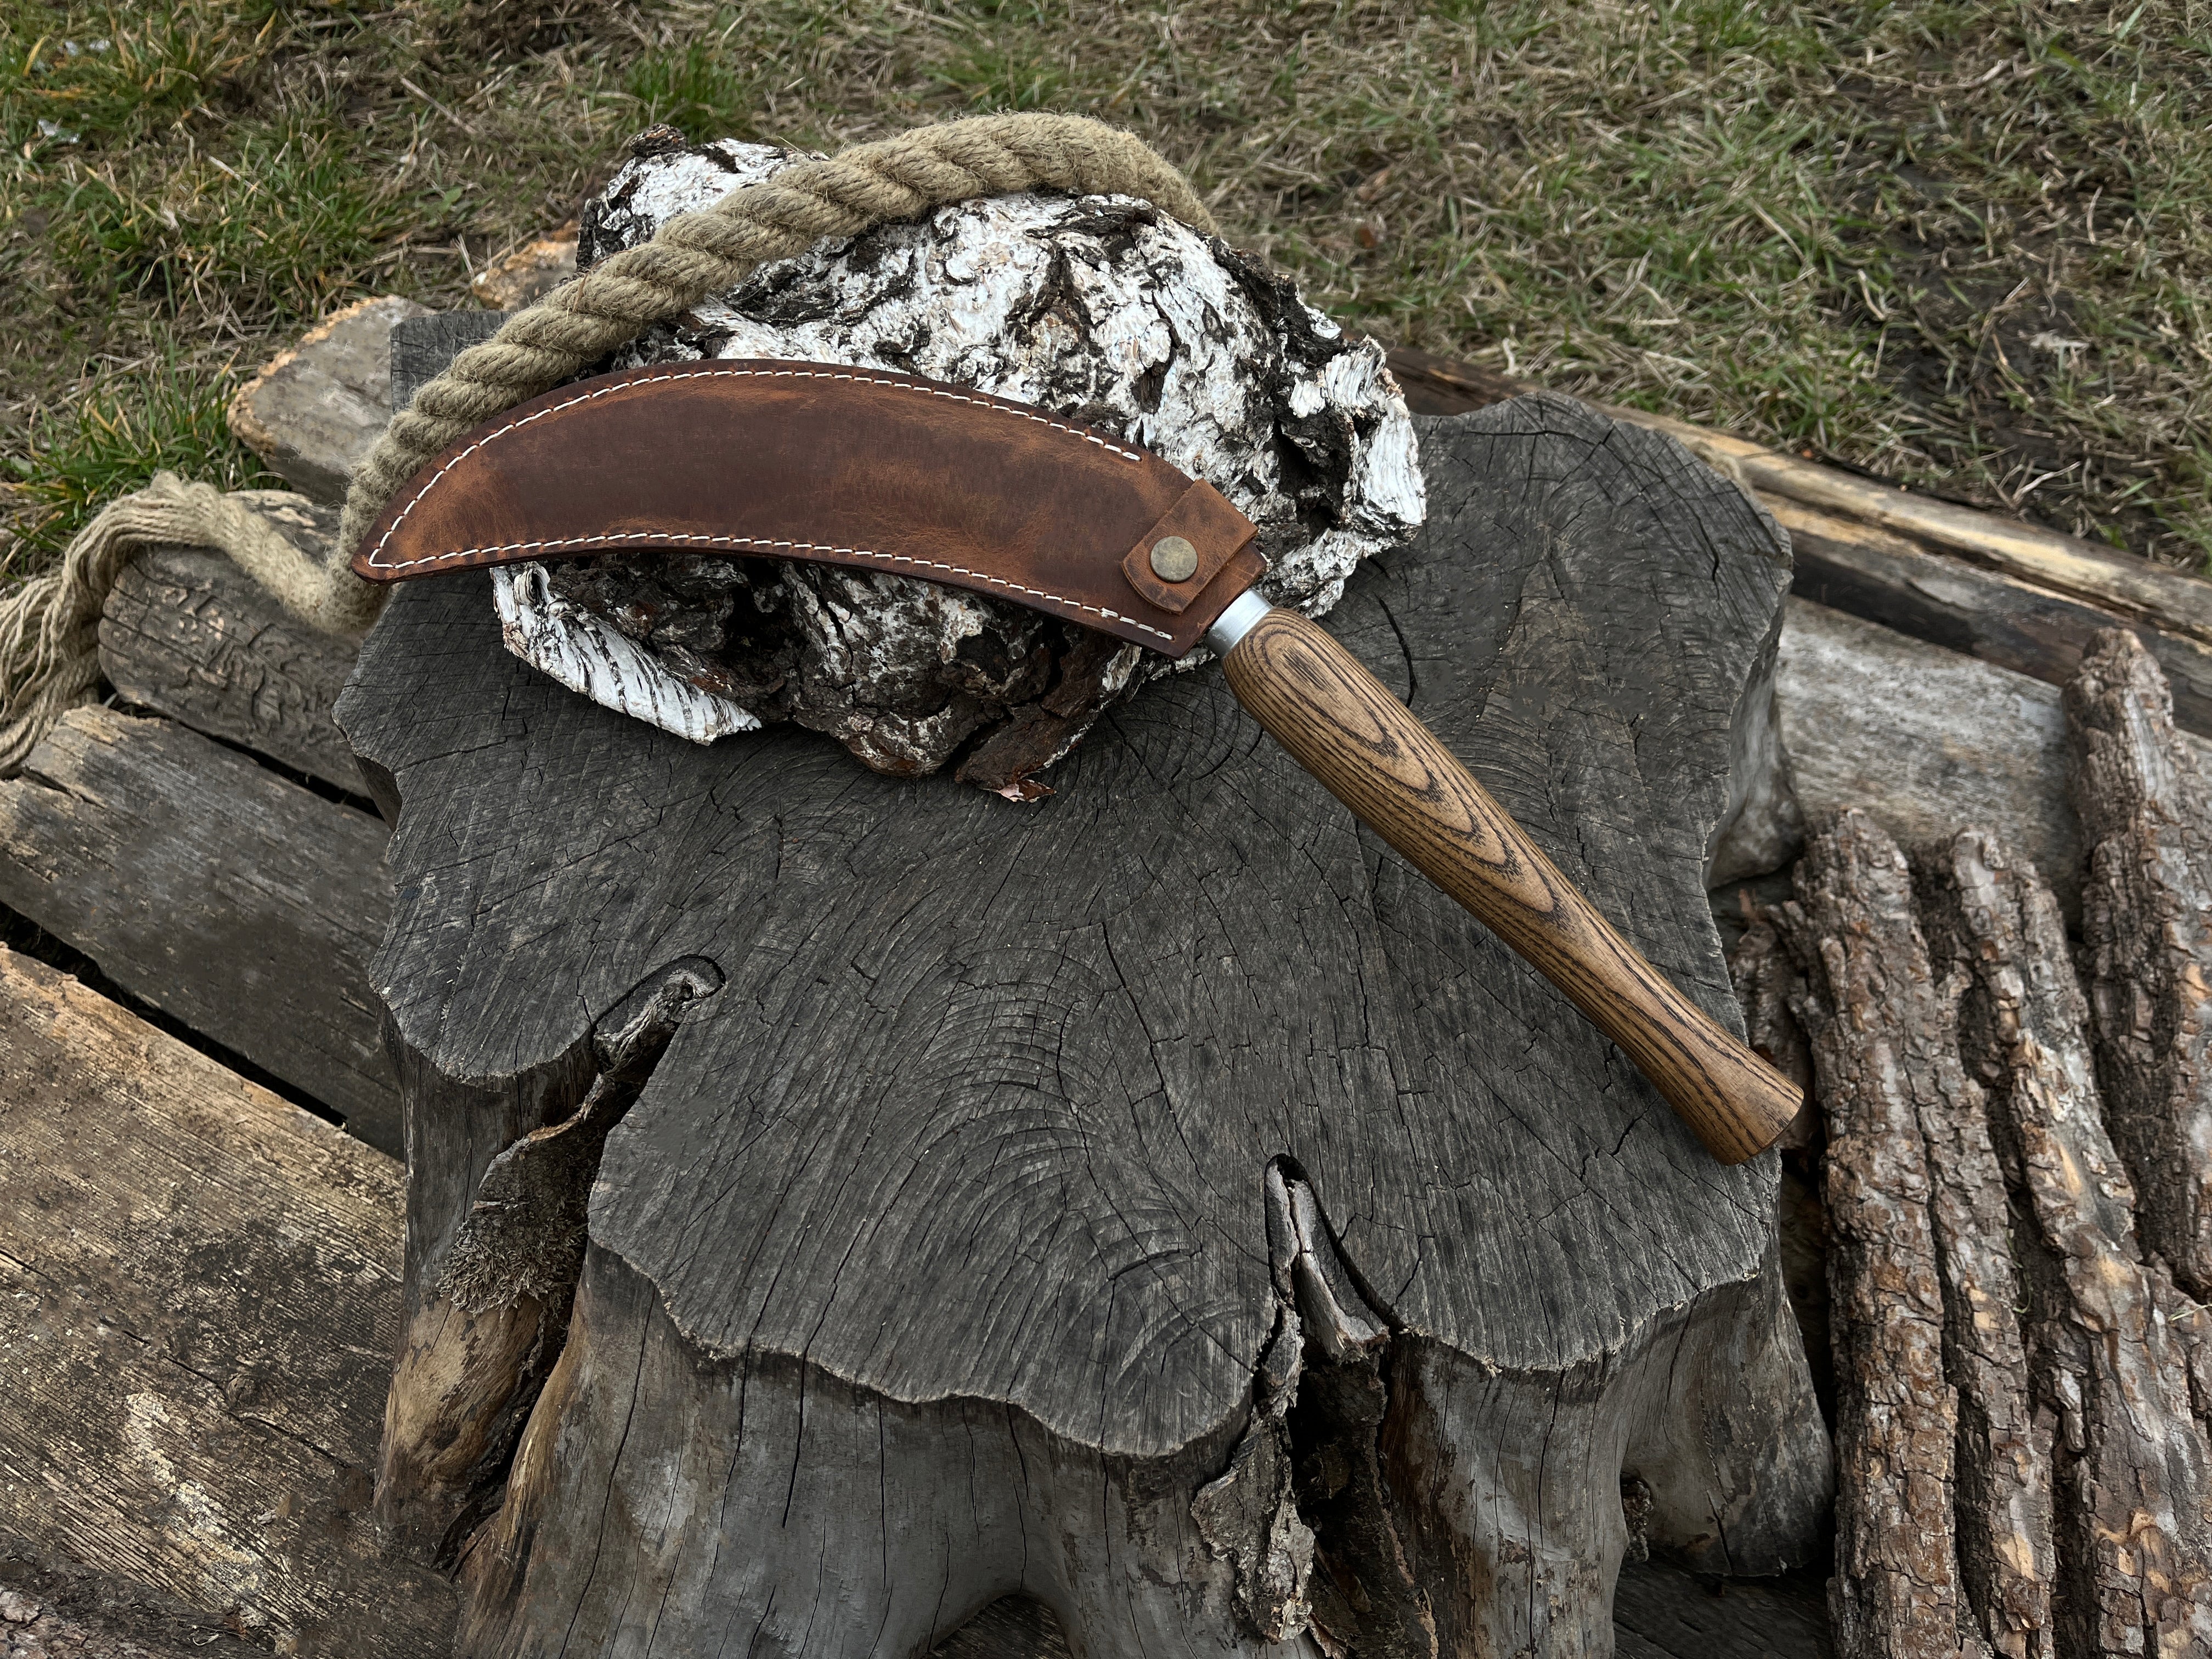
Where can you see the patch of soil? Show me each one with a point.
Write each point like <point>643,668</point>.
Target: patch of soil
<point>1984,346</point>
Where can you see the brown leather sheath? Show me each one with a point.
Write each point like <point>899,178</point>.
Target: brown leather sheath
<point>846,466</point>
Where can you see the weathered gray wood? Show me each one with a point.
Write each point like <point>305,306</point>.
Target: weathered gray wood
<point>60,1607</point>
<point>1923,739</point>
<point>240,904</point>
<point>1012,1628</point>
<point>1881,577</point>
<point>2146,812</point>
<point>1879,1028</point>
<point>189,635</point>
<point>1663,1611</point>
<point>476,1355</point>
<point>2110,1337</point>
<point>1768,983</point>
<point>1827,505</point>
<point>200,1279</point>
<point>314,411</point>
<point>964,1164</point>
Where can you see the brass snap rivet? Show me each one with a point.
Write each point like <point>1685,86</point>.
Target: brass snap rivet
<point>1174,559</point>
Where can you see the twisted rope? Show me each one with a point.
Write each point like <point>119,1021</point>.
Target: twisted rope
<point>698,254</point>
<point>50,627</point>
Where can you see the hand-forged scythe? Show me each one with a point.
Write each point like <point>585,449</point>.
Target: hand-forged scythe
<point>885,471</point>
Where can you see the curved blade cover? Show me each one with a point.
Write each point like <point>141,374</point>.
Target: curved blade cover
<point>845,466</point>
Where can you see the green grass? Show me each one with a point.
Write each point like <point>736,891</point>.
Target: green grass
<point>130,426</point>
<point>1964,246</point>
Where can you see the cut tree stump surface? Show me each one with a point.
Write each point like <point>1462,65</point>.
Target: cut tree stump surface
<point>933,1259</point>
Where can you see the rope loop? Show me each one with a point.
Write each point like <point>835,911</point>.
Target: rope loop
<point>699,254</point>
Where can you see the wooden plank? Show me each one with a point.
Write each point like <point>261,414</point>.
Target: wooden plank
<point>2119,584</point>
<point>244,905</point>
<point>1889,579</point>
<point>204,1287</point>
<point>188,633</point>
<point>58,1607</point>
<point>1924,740</point>
<point>2128,586</point>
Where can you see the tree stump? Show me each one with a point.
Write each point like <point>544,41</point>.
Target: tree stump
<point>837,1201</point>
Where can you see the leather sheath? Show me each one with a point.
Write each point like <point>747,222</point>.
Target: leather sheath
<point>865,468</point>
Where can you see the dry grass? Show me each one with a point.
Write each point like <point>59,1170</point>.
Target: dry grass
<point>1964,245</point>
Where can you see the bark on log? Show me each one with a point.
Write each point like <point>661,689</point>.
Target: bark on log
<point>933,1261</point>
<point>2110,1338</point>
<point>1909,1200</point>
<point>2146,817</point>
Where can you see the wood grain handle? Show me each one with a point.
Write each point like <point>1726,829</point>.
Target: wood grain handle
<point>1377,758</point>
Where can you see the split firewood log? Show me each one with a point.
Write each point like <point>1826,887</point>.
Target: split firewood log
<point>1915,1210</point>
<point>2111,1338</point>
<point>2146,815</point>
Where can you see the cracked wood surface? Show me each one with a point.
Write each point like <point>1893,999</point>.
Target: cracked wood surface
<point>973,1136</point>
<point>187,634</point>
<point>2115,1349</point>
<point>199,1279</point>
<point>228,897</point>
<point>2146,810</point>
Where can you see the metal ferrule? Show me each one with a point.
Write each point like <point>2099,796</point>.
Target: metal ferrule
<point>1234,624</point>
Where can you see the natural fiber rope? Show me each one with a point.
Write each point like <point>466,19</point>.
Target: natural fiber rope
<point>698,254</point>
<point>49,628</point>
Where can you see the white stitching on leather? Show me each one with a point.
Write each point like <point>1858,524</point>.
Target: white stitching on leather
<point>686,372</point>
<point>568,543</point>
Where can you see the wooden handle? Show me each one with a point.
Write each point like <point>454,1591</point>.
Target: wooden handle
<point>1377,758</point>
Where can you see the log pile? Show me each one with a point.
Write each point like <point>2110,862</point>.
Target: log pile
<point>2012,1179</point>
